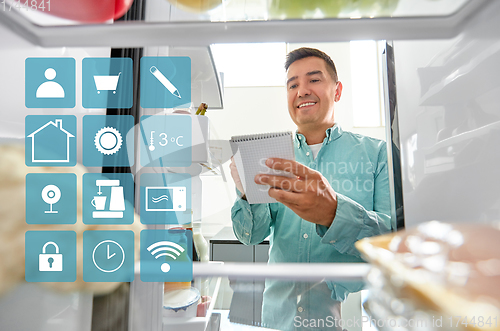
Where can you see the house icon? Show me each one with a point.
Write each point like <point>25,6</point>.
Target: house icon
<point>51,143</point>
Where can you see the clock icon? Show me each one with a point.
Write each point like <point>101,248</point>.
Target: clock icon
<point>108,256</point>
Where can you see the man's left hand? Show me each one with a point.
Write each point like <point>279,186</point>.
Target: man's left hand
<point>308,194</point>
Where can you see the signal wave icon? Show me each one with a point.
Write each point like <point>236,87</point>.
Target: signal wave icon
<point>165,248</point>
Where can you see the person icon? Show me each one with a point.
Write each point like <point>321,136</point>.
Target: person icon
<point>50,89</point>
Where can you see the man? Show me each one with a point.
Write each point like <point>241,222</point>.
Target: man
<point>339,195</point>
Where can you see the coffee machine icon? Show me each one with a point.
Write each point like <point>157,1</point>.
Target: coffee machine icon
<point>116,202</point>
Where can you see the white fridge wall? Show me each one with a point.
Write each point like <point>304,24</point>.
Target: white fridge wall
<point>449,116</point>
<point>47,310</point>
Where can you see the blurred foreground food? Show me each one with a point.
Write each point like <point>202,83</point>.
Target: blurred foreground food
<point>436,271</point>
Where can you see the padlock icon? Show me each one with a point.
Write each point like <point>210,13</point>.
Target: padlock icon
<point>50,262</point>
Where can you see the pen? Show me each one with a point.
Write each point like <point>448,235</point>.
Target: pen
<point>165,82</point>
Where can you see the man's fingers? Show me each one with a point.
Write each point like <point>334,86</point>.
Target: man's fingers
<point>290,199</point>
<point>234,170</point>
<point>281,182</point>
<point>236,176</point>
<point>292,167</point>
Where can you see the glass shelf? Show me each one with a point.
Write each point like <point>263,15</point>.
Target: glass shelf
<point>244,21</point>
<point>240,299</point>
<point>259,10</point>
<point>264,10</point>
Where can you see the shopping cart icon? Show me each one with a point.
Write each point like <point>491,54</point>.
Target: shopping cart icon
<point>106,83</point>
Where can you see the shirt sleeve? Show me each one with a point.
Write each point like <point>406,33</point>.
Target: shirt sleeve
<point>353,222</point>
<point>251,222</point>
<point>341,290</point>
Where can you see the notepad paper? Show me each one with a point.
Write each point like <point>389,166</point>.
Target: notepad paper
<point>250,154</point>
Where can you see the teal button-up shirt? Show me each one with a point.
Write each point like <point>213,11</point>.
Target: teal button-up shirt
<point>356,168</point>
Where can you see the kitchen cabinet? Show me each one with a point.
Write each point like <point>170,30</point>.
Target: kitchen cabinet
<point>245,306</point>
<point>224,246</point>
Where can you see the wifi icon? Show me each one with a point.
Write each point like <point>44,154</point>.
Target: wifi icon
<point>165,248</point>
<point>166,255</point>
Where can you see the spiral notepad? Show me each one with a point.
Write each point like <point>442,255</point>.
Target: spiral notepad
<point>250,154</point>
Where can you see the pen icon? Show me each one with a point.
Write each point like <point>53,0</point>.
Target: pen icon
<point>164,81</point>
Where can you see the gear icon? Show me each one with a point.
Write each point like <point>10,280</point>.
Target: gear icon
<point>108,140</point>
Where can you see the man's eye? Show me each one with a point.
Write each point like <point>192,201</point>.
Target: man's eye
<point>314,80</point>
<point>292,87</point>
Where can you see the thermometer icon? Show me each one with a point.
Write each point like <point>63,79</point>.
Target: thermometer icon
<point>151,142</point>
<point>164,140</point>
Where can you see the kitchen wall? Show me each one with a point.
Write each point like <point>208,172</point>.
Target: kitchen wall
<point>250,110</point>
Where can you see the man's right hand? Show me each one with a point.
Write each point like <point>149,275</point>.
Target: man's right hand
<point>236,178</point>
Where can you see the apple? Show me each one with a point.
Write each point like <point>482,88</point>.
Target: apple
<point>89,11</point>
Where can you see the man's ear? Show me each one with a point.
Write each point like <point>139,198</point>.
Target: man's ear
<point>338,91</point>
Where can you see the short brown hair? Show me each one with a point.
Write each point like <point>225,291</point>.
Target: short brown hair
<point>303,52</point>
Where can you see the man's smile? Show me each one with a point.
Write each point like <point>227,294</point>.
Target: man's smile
<point>306,104</point>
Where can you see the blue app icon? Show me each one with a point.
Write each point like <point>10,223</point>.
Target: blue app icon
<point>165,81</point>
<point>165,198</point>
<point>108,140</point>
<point>50,198</point>
<point>166,255</point>
<point>50,140</point>
<point>50,82</point>
<point>166,141</point>
<point>107,83</point>
<point>50,256</point>
<point>108,256</point>
<point>108,198</point>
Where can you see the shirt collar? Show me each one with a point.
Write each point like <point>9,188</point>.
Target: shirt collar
<point>332,134</point>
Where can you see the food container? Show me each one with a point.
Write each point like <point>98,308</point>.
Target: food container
<point>181,302</point>
<point>441,275</point>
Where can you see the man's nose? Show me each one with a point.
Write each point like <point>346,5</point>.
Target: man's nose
<point>303,91</point>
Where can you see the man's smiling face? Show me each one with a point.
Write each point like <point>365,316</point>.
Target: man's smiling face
<point>311,93</point>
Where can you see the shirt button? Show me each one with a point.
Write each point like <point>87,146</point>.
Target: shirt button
<point>300,309</point>
<point>307,153</point>
<point>246,233</point>
<point>330,139</point>
<point>332,242</point>
<point>305,236</point>
<point>298,145</point>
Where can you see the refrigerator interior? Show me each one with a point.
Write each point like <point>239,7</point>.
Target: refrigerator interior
<point>442,121</point>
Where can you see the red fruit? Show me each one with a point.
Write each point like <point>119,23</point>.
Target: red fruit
<point>89,11</point>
